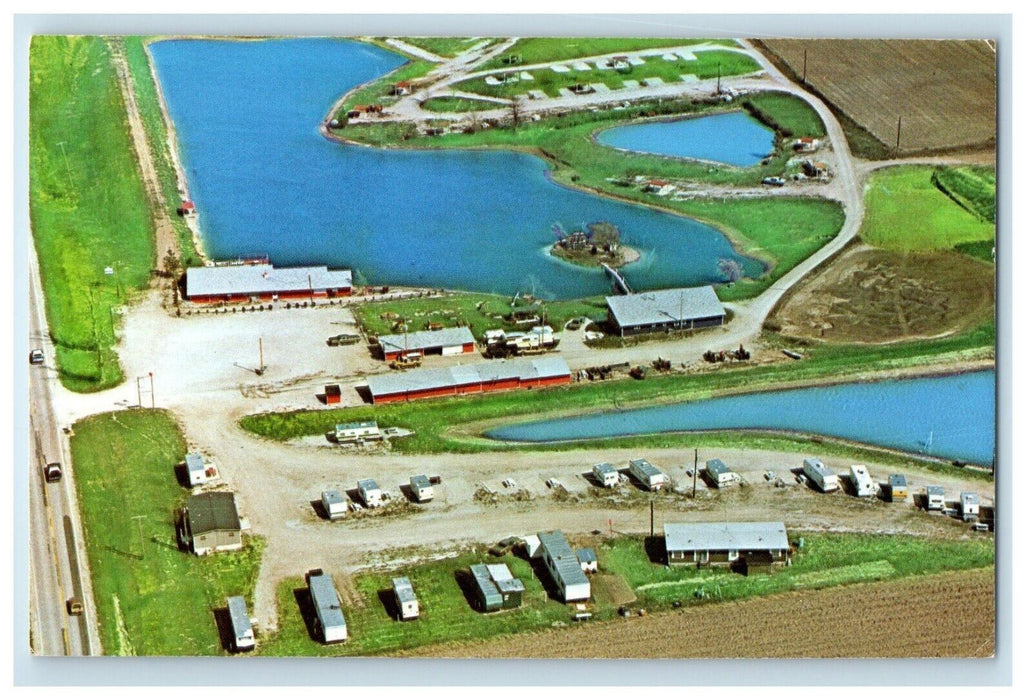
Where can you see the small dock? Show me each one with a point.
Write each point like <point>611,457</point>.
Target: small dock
<point>619,281</point>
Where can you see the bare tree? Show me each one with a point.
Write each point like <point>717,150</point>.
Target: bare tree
<point>731,269</point>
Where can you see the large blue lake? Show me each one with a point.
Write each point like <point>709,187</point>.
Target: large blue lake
<point>734,138</point>
<point>951,416</point>
<point>266,182</point>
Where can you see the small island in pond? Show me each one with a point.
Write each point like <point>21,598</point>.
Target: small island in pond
<point>597,243</point>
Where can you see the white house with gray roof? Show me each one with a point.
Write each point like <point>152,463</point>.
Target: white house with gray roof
<point>685,308</point>
<point>723,544</point>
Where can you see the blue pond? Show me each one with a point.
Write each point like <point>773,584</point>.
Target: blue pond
<point>265,181</point>
<point>957,411</point>
<point>734,138</point>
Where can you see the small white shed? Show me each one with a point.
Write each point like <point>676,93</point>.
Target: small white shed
<point>195,469</point>
<point>934,498</point>
<point>969,506</point>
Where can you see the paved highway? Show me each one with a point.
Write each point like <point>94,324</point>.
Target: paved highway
<point>56,558</point>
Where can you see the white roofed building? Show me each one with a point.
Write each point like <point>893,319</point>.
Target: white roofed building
<point>666,309</point>
<point>724,544</point>
<point>220,283</point>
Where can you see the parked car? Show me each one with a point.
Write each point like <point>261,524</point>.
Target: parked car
<point>774,181</point>
<point>74,606</point>
<point>52,472</point>
<point>36,357</point>
<point>343,339</point>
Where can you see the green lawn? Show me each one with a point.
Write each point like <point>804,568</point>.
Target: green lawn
<point>154,600</point>
<point>547,49</point>
<point>445,614</point>
<point>479,312</point>
<point>787,113</point>
<point>904,210</point>
<point>708,64</point>
<point>826,559</point>
<point>377,91</point>
<point>149,104</point>
<point>446,46</point>
<point>458,104</point>
<point>439,423</point>
<point>974,189</point>
<point>78,137</point>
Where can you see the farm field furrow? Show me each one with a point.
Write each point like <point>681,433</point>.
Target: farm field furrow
<point>945,92</point>
<point>931,616</point>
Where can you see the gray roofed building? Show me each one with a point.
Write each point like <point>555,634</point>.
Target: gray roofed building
<point>195,469</point>
<point>426,340</point>
<point>645,312</point>
<point>563,564</point>
<point>426,382</point>
<point>210,523</point>
<point>405,597</point>
<point>725,543</point>
<point>262,280</point>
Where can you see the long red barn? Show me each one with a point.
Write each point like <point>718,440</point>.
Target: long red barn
<point>469,379</point>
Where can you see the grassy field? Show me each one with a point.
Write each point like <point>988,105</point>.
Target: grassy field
<point>708,64</point>
<point>479,312</point>
<point>152,599</point>
<point>458,104</point>
<point>974,189</point>
<point>154,124</point>
<point>446,46</point>
<point>546,49</point>
<point>438,423</point>
<point>786,113</point>
<point>78,137</point>
<point>904,210</point>
<point>826,560</point>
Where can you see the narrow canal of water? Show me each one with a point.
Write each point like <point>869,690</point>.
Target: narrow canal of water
<point>951,416</point>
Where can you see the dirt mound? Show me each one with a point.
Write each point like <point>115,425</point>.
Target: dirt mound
<point>871,295</point>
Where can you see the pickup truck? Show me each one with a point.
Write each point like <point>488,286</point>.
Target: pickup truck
<point>36,357</point>
<point>774,181</point>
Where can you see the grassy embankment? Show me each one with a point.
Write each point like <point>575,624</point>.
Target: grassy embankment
<point>534,50</point>
<point>782,231</point>
<point>451,425</point>
<point>152,599</point>
<point>446,46</point>
<point>378,91</point>
<point>149,104</point>
<point>78,139</point>
<point>911,208</point>
<point>479,312</point>
<point>446,615</point>
<point>706,66</point>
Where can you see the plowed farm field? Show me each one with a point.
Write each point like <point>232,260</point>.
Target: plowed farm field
<point>943,615</point>
<point>944,91</point>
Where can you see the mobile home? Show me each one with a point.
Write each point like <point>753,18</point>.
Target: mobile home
<point>564,568</point>
<point>647,475</point>
<point>495,588</point>
<point>330,623</point>
<point>862,481</point>
<point>898,487</point>
<point>405,598</point>
<point>243,632</point>
<point>969,506</point>
<point>934,498</point>
<point>195,469</point>
<point>421,489</point>
<point>718,474</point>
<point>334,505</point>
<point>370,494</point>
<point>820,475</point>
<point>606,474</point>
<point>357,432</point>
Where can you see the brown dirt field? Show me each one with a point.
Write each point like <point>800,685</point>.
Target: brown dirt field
<point>945,615</point>
<point>872,295</point>
<point>945,91</point>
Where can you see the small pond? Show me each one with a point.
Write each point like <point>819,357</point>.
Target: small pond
<point>733,138</point>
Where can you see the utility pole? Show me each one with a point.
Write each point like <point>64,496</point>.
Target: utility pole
<point>805,66</point>
<point>695,471</point>
<point>718,77</point>
<point>898,132</point>
<point>651,517</point>
<point>261,358</point>
<point>151,374</point>
<point>139,394</point>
